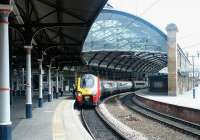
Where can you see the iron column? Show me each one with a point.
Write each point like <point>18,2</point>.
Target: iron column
<point>61,83</point>
<point>62,80</point>
<point>49,84</point>
<point>28,82</point>
<point>5,122</point>
<point>40,99</point>
<point>57,83</point>
<point>23,89</point>
<point>17,84</point>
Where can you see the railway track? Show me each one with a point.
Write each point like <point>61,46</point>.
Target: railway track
<point>184,126</point>
<point>97,127</point>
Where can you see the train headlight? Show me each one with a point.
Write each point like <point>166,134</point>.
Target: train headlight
<point>78,94</point>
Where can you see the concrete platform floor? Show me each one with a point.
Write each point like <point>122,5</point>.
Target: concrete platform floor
<point>18,108</point>
<point>67,123</point>
<point>57,120</point>
<point>186,99</point>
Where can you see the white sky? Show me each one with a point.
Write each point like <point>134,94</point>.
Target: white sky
<point>184,13</point>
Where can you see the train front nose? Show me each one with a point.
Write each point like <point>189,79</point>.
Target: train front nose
<point>87,100</point>
<point>88,96</point>
<point>79,98</point>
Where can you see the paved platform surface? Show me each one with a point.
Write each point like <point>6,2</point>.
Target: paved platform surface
<point>186,99</point>
<point>57,120</point>
<point>67,123</point>
<point>37,128</point>
<point>18,108</point>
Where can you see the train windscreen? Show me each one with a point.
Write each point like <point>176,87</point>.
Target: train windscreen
<point>87,81</point>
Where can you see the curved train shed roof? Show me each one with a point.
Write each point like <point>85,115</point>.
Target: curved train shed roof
<point>121,41</point>
<point>56,27</point>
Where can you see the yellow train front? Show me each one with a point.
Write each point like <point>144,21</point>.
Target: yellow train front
<point>88,90</point>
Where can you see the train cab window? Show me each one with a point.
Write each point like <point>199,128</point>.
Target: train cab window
<point>87,82</point>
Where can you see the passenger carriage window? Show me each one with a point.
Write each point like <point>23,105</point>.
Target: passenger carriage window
<point>140,83</point>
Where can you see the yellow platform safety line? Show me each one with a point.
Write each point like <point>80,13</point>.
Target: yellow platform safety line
<point>58,123</point>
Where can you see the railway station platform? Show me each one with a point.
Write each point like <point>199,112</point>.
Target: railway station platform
<point>39,127</point>
<point>183,106</point>
<point>57,120</point>
<point>185,100</point>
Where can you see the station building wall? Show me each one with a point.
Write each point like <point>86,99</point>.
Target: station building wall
<point>183,65</point>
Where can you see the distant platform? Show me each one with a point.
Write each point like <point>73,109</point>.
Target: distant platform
<point>185,100</point>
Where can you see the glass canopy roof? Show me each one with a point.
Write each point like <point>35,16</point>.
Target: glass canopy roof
<point>118,31</point>
<point>124,42</point>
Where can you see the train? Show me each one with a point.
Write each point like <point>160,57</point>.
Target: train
<point>140,84</point>
<point>90,88</point>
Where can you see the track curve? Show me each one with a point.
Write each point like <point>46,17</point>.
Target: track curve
<point>97,127</point>
<point>190,128</point>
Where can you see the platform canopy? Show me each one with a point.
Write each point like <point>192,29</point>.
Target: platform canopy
<point>121,41</point>
<point>55,28</point>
